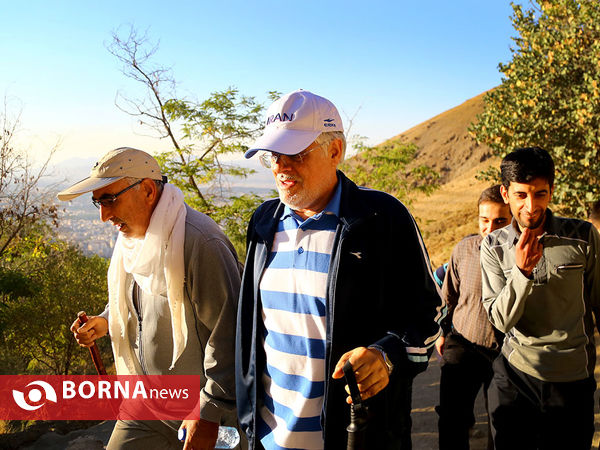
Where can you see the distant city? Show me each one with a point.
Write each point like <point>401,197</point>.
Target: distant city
<point>80,222</point>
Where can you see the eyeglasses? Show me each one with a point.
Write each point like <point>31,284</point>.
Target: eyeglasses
<point>109,199</point>
<point>268,159</point>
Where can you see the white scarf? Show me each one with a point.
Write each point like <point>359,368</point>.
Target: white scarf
<point>156,263</point>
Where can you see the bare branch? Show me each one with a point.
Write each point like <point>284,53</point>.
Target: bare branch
<point>135,57</point>
<point>22,202</point>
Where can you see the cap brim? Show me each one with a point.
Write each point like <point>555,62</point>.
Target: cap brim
<point>86,185</point>
<point>284,141</point>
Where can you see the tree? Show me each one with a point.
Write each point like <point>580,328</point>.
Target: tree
<point>24,207</point>
<point>35,337</point>
<point>43,281</point>
<point>22,202</point>
<point>208,131</point>
<point>389,168</point>
<point>550,96</point>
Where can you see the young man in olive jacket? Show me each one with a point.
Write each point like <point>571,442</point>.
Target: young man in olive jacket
<point>541,287</point>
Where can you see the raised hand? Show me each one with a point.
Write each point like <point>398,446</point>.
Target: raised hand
<point>528,252</point>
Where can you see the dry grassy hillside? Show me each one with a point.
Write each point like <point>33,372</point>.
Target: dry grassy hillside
<point>449,214</point>
<point>443,142</point>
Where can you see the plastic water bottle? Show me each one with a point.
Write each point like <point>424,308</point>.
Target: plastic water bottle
<point>228,437</point>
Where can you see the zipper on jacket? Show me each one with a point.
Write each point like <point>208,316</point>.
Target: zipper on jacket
<point>562,267</point>
<point>331,277</point>
<point>331,283</point>
<point>258,273</point>
<point>138,311</point>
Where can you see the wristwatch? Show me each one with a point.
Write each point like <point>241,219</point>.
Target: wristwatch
<point>386,360</point>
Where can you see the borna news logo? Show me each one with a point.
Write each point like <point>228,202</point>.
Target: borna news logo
<point>35,396</point>
<point>107,397</point>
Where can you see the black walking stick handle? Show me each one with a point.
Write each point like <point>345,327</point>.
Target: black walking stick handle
<point>358,412</point>
<point>352,385</point>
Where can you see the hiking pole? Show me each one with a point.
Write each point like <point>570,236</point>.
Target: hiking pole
<point>359,414</point>
<point>94,350</point>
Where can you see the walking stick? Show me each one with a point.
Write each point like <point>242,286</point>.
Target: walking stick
<point>359,413</point>
<point>94,350</point>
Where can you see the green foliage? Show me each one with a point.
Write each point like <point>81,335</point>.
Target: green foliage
<point>35,335</point>
<point>14,284</point>
<point>213,128</point>
<point>203,134</point>
<point>44,282</point>
<point>234,217</point>
<point>388,168</point>
<point>551,96</point>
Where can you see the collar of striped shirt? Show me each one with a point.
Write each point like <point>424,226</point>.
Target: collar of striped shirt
<point>333,207</point>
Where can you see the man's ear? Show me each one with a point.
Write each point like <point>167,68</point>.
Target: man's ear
<point>336,151</point>
<point>504,193</point>
<point>149,189</point>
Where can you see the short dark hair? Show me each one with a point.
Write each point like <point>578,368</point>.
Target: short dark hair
<point>491,194</point>
<point>595,212</point>
<point>526,164</point>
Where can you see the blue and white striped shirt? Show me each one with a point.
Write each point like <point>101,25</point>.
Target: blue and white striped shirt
<point>293,290</point>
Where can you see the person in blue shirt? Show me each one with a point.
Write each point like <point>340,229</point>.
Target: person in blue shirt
<point>333,273</point>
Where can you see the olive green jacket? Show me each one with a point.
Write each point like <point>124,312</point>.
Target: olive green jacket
<point>547,317</point>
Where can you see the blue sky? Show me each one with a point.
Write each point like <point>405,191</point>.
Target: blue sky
<point>399,62</point>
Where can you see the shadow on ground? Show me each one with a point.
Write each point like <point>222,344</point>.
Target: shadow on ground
<point>425,398</point>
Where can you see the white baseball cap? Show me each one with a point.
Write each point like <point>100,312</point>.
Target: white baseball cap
<point>294,121</point>
<point>115,165</point>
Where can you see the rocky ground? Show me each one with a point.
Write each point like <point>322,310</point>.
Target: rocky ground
<point>93,438</point>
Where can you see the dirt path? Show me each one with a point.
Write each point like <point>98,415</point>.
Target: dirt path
<point>426,396</point>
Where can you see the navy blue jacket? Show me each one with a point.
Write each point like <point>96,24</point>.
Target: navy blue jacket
<point>380,291</point>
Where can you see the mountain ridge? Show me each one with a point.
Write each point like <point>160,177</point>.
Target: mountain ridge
<point>444,143</point>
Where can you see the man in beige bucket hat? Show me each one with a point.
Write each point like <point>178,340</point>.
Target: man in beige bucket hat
<point>173,286</point>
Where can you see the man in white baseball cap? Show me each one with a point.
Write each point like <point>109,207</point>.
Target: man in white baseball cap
<point>173,286</point>
<point>334,274</point>
<point>295,121</point>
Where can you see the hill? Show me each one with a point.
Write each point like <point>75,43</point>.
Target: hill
<point>450,213</point>
<point>443,142</point>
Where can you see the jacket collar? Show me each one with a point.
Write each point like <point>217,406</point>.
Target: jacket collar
<point>266,222</point>
<point>351,209</point>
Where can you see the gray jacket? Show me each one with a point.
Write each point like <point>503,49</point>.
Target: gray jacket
<point>547,318</point>
<point>212,284</point>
